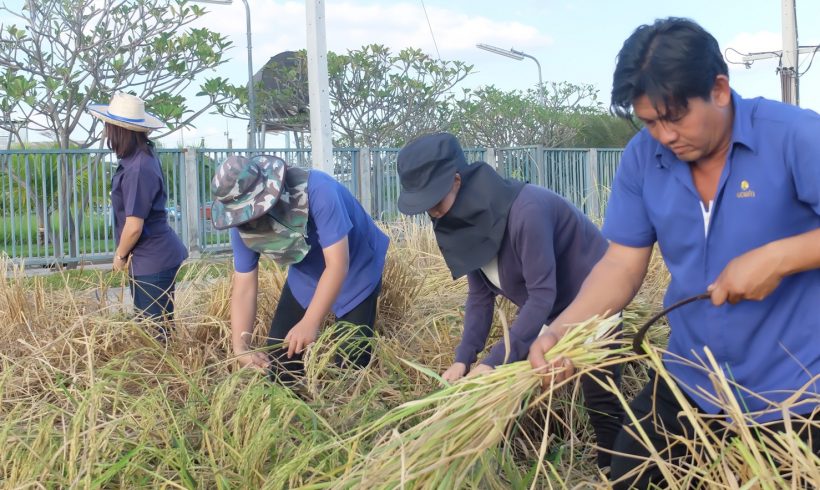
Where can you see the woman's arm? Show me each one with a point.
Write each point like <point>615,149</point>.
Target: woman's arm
<point>131,232</point>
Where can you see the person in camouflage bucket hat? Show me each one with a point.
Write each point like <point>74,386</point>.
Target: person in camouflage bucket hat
<point>335,255</point>
<point>266,201</point>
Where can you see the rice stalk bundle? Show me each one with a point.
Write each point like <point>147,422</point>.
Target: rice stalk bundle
<point>729,449</point>
<point>437,441</point>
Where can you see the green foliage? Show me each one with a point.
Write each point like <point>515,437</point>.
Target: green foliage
<point>553,117</point>
<point>66,55</point>
<point>603,131</point>
<point>382,99</point>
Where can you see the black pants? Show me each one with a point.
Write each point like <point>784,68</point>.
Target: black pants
<point>289,312</point>
<point>657,410</point>
<point>604,410</point>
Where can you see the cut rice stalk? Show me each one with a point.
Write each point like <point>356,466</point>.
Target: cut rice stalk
<point>449,430</point>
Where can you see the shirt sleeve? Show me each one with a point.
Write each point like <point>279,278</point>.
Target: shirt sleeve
<point>478,318</point>
<point>805,164</point>
<point>244,259</point>
<point>140,186</point>
<point>330,216</point>
<point>534,246</point>
<point>627,222</point>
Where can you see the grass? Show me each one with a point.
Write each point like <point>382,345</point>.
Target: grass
<point>89,399</point>
<point>88,278</point>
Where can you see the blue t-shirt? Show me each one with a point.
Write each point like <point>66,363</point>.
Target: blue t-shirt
<point>769,190</point>
<point>333,213</point>
<point>138,189</point>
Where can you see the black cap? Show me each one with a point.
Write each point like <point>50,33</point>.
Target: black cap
<point>427,167</point>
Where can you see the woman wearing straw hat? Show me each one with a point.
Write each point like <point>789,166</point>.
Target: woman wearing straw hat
<point>138,198</point>
<point>309,221</point>
<point>509,238</point>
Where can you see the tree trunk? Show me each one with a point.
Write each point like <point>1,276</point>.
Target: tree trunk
<point>66,212</point>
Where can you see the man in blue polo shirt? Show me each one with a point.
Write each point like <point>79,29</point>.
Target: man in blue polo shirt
<point>729,188</point>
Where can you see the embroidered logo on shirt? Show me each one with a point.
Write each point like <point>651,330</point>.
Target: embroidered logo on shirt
<point>745,190</point>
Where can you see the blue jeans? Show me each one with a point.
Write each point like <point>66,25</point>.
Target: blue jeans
<point>154,297</point>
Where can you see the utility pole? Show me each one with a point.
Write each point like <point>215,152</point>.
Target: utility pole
<point>789,55</point>
<point>321,143</point>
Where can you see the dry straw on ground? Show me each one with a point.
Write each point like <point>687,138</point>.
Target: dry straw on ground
<point>89,399</point>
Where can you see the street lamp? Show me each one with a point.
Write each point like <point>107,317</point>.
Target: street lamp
<point>516,55</point>
<point>251,92</point>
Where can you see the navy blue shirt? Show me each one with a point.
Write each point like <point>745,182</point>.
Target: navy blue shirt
<point>333,213</point>
<point>138,189</point>
<point>769,190</point>
<point>549,248</point>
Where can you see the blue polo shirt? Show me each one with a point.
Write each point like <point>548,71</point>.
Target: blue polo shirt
<point>769,190</point>
<point>333,213</point>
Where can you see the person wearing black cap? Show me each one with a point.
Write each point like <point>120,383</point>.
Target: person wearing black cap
<point>518,240</point>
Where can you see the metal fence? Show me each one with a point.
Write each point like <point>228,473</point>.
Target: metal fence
<point>56,204</point>
<point>583,176</point>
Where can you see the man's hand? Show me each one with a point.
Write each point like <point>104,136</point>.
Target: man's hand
<point>119,263</point>
<point>557,371</point>
<point>751,276</point>
<point>253,360</point>
<point>300,336</point>
<point>480,369</point>
<point>454,372</point>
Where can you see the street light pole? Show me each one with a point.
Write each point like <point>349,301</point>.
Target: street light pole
<point>251,91</point>
<point>516,55</point>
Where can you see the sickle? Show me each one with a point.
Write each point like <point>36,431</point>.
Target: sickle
<point>637,341</point>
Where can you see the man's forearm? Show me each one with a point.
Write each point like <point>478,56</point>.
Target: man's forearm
<point>798,253</point>
<point>610,286</point>
<point>243,310</point>
<point>327,290</point>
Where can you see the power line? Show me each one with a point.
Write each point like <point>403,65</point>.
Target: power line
<point>430,26</point>
<point>811,60</point>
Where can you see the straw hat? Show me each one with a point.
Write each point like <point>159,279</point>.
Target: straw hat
<point>127,111</point>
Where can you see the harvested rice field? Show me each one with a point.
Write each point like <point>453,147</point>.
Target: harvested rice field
<point>88,398</point>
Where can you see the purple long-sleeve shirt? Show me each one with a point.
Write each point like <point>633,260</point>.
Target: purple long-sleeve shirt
<point>548,250</point>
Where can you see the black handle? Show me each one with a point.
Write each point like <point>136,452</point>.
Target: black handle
<point>637,342</point>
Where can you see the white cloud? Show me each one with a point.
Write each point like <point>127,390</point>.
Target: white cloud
<point>280,26</point>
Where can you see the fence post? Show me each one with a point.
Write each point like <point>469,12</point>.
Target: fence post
<point>541,165</point>
<point>365,180</point>
<point>190,202</point>
<point>592,198</point>
<point>378,171</point>
<point>489,156</point>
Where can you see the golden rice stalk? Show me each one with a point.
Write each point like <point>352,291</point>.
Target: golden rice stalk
<point>437,440</point>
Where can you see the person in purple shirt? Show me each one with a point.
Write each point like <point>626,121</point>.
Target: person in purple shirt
<point>138,198</point>
<point>509,238</point>
<point>729,189</point>
<point>308,221</point>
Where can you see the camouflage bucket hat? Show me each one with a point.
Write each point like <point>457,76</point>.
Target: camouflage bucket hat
<point>281,233</point>
<point>245,189</point>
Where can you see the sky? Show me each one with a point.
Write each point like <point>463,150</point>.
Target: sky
<point>574,40</point>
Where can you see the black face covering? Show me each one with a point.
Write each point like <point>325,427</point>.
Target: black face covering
<point>470,234</point>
